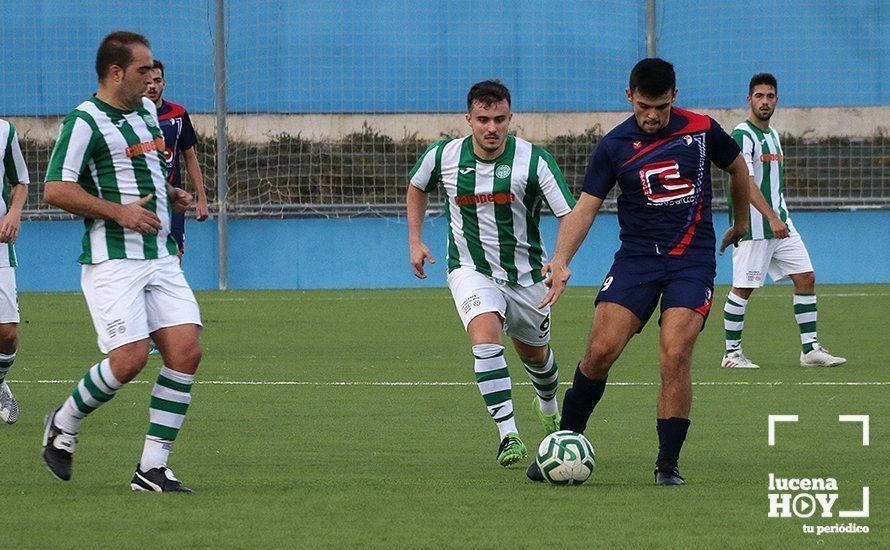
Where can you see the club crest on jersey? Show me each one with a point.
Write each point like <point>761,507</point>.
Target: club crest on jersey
<point>149,121</point>
<point>637,145</point>
<point>687,139</point>
<point>502,171</point>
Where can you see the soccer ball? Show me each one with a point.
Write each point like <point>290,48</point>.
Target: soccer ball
<point>566,458</point>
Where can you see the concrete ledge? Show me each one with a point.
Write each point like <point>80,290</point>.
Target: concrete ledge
<point>816,122</point>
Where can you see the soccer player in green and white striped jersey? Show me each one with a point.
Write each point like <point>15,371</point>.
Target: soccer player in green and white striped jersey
<point>495,186</point>
<point>772,246</point>
<point>108,166</point>
<point>14,170</point>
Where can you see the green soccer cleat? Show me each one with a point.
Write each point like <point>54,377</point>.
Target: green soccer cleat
<point>511,450</point>
<point>550,421</point>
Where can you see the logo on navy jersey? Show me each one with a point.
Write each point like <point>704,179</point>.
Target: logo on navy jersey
<point>663,183</point>
<point>687,139</point>
<point>637,145</point>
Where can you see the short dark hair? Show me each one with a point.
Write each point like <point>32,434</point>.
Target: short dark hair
<point>487,92</point>
<point>158,65</point>
<point>116,49</point>
<point>653,77</point>
<point>763,78</point>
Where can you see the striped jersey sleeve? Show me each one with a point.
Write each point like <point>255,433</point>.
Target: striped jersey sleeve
<point>427,172</point>
<point>72,151</point>
<point>746,143</point>
<point>14,167</point>
<point>553,184</point>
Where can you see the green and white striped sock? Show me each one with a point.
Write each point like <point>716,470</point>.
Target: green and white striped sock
<point>805,315</point>
<point>96,388</point>
<point>734,321</point>
<point>170,400</point>
<point>545,379</point>
<point>6,362</point>
<point>493,380</point>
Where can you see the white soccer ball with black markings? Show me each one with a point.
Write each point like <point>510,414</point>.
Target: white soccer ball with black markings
<point>566,458</point>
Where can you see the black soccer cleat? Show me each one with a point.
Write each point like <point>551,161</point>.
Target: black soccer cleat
<point>58,448</point>
<point>157,480</point>
<point>668,475</point>
<point>533,472</point>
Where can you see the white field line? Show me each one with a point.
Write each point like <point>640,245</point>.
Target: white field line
<point>461,384</point>
<point>310,298</point>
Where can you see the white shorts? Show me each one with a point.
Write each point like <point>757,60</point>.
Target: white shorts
<point>475,293</point>
<point>9,301</point>
<point>779,258</point>
<point>130,299</point>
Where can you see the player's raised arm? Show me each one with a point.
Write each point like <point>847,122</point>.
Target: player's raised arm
<point>739,192</point>
<point>417,202</point>
<point>573,229</point>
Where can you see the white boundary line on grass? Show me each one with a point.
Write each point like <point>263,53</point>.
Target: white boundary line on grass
<point>399,384</point>
<point>311,298</point>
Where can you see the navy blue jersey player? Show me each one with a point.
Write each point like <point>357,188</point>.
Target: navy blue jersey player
<point>180,140</point>
<point>660,159</point>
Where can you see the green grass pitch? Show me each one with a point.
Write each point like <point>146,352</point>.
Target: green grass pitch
<point>385,441</point>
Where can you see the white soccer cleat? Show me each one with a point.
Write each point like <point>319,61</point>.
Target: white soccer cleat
<point>9,407</point>
<point>737,360</point>
<point>820,357</point>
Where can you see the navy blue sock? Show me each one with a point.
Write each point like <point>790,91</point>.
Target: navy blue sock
<point>579,401</point>
<point>671,435</point>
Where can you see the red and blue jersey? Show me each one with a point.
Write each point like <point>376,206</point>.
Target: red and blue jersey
<point>664,207</point>
<point>179,135</point>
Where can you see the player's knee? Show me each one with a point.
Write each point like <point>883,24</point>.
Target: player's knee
<point>188,358</point>
<point>598,360</point>
<point>533,356</point>
<point>9,338</point>
<point>675,360</point>
<point>805,282</point>
<point>127,367</point>
<point>195,353</point>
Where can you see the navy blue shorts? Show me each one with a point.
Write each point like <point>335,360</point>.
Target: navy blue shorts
<point>639,282</point>
<point>177,229</point>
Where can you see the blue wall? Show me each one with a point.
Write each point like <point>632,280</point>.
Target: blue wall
<point>846,247</point>
<point>421,56</point>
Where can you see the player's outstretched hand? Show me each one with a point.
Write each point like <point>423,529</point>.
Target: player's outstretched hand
<point>732,237</point>
<point>418,254</point>
<point>201,210</point>
<point>134,216</point>
<point>778,227</point>
<point>180,199</point>
<point>9,228</point>
<point>556,277</point>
